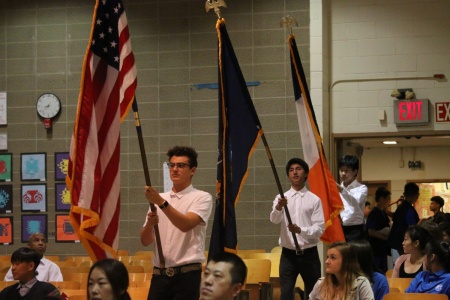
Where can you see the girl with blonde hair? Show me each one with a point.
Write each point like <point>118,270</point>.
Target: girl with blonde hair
<point>343,279</point>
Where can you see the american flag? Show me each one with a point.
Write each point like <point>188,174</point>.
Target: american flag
<point>107,91</point>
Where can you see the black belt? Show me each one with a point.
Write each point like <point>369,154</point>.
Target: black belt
<point>298,252</point>
<point>172,271</point>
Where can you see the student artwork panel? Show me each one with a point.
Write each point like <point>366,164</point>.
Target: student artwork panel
<point>6,230</point>
<point>62,197</point>
<point>34,197</point>
<point>61,165</point>
<point>64,230</point>
<point>6,198</point>
<point>32,224</point>
<point>33,166</point>
<point>6,167</point>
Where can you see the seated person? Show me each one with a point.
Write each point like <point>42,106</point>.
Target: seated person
<point>47,270</point>
<point>445,230</point>
<point>223,277</point>
<point>378,281</point>
<point>436,279</point>
<point>108,279</point>
<point>411,263</point>
<point>24,264</point>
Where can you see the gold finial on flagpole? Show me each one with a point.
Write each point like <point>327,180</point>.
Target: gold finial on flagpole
<point>216,4</point>
<point>288,22</point>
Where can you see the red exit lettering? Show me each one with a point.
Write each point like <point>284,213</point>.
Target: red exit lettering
<point>443,112</point>
<point>411,110</point>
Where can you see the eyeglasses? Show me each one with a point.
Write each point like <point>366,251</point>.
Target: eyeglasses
<point>178,165</point>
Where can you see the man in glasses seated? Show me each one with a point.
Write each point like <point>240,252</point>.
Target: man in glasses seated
<point>182,218</point>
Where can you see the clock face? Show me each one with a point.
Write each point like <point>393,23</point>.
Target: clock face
<point>48,106</point>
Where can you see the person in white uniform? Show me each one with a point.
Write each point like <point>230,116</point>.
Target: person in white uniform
<point>182,216</point>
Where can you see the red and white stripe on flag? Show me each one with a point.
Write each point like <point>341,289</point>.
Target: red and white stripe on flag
<point>107,90</point>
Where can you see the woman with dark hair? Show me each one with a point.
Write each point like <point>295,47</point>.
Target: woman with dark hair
<point>411,263</point>
<point>343,278</point>
<point>436,279</point>
<point>364,254</point>
<point>108,280</point>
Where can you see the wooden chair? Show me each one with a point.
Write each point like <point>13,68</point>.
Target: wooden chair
<point>86,263</point>
<point>53,258</point>
<point>258,270</point>
<point>5,258</point>
<point>138,293</point>
<point>144,253</point>
<point>135,269</point>
<point>400,283</point>
<point>78,259</point>
<point>82,278</point>
<point>276,249</point>
<point>65,263</point>
<point>389,273</point>
<point>246,253</point>
<point>274,260</point>
<point>146,264</point>
<point>73,285</point>
<point>414,296</point>
<point>394,290</point>
<point>142,284</point>
<point>122,252</point>
<point>139,276</point>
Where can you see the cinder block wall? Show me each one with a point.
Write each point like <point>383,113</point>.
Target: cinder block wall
<point>42,45</point>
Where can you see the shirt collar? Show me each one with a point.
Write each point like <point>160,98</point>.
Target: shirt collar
<point>300,192</point>
<point>28,284</point>
<point>180,194</point>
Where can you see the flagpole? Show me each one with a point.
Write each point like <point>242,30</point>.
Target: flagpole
<point>137,123</point>
<point>280,189</point>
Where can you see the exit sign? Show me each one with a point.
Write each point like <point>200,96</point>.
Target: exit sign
<point>442,111</point>
<point>411,112</point>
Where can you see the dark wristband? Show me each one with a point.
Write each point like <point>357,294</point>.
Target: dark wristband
<point>164,205</point>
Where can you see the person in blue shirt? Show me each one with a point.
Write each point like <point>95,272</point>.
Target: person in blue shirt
<point>436,279</point>
<point>378,281</point>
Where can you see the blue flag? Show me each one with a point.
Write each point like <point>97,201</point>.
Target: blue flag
<point>239,132</point>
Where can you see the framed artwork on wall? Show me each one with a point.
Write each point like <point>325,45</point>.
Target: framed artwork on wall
<point>33,166</point>
<point>34,197</point>
<point>6,230</point>
<point>6,167</point>
<point>32,224</point>
<point>61,165</point>
<point>62,197</point>
<point>65,232</point>
<point>6,198</point>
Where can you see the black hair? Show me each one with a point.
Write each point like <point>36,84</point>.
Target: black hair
<point>27,255</point>
<point>117,275</point>
<point>441,252</point>
<point>381,192</point>
<point>439,200</point>
<point>298,161</point>
<point>350,161</point>
<point>364,254</point>
<point>445,227</point>
<point>418,233</point>
<point>411,189</point>
<point>184,151</point>
<point>238,270</point>
<point>433,230</point>
<point>367,203</point>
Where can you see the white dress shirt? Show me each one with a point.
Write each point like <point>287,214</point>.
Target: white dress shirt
<point>354,197</point>
<point>47,271</point>
<point>306,211</point>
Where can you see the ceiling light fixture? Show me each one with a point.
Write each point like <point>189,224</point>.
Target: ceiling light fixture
<point>390,142</point>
